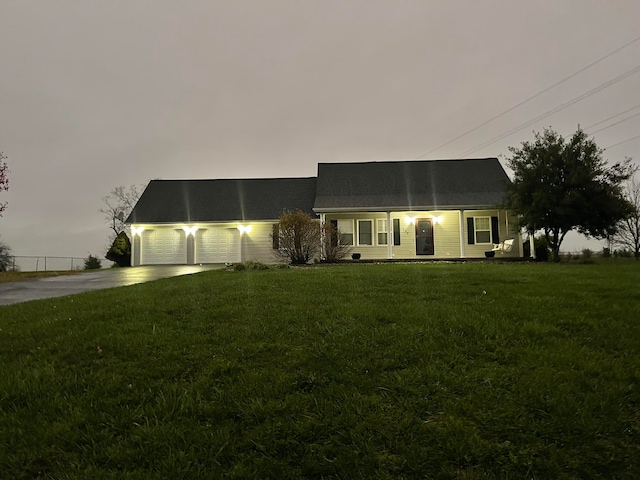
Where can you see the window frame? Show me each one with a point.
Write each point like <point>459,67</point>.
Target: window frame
<point>371,232</point>
<point>384,232</point>
<point>343,233</point>
<point>488,230</point>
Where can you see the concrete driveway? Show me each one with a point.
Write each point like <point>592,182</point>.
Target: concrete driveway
<point>26,290</point>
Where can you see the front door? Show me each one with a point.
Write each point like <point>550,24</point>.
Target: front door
<point>424,236</point>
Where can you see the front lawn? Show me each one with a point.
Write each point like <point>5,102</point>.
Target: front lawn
<point>467,371</point>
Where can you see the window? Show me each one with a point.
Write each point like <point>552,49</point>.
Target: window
<point>382,231</point>
<point>346,231</point>
<point>483,229</point>
<point>365,232</point>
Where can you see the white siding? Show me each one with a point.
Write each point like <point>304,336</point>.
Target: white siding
<point>257,244</point>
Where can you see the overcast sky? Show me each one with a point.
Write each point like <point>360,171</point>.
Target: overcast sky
<point>105,93</point>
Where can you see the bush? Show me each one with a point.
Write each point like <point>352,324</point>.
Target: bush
<point>92,263</point>
<point>296,237</point>
<point>120,251</point>
<point>249,265</point>
<point>333,249</point>
<point>255,265</point>
<point>586,253</point>
<point>606,252</point>
<point>542,249</point>
<point>6,259</point>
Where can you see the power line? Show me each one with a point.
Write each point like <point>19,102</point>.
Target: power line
<point>615,123</point>
<point>611,117</point>
<point>620,143</point>
<point>565,105</point>
<point>613,52</point>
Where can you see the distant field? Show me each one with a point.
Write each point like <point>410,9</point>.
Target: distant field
<point>466,371</point>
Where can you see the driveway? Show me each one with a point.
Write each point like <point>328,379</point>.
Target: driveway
<point>26,290</point>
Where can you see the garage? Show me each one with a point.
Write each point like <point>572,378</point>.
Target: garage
<point>218,245</point>
<point>164,246</point>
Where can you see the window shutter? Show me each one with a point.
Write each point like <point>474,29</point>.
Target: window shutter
<point>396,231</point>
<point>471,231</point>
<point>495,235</point>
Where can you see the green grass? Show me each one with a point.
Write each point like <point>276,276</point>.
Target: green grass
<point>464,371</point>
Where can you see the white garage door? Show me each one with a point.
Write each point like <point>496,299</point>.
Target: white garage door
<point>218,245</point>
<point>164,246</point>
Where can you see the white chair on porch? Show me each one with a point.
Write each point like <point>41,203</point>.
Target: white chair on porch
<point>503,247</point>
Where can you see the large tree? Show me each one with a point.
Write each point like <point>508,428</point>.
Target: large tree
<point>628,231</point>
<point>4,180</point>
<point>118,205</point>
<point>563,185</point>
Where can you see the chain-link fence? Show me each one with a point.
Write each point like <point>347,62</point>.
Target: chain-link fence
<point>30,263</point>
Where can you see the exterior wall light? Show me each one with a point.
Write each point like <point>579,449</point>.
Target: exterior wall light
<point>190,230</point>
<point>437,220</point>
<point>136,230</point>
<point>244,228</point>
<point>410,220</point>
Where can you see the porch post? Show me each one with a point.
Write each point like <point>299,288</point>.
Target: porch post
<point>389,237</point>
<point>461,215</point>
<point>506,212</point>
<point>532,247</point>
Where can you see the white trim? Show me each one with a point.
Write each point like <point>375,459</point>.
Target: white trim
<point>476,230</point>
<point>378,231</point>
<point>389,237</point>
<point>352,232</point>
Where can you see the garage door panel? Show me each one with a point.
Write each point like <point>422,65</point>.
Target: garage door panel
<point>218,245</point>
<point>164,246</point>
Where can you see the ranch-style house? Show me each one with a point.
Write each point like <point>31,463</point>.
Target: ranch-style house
<point>392,210</point>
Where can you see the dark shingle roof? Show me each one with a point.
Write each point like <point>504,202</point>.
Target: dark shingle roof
<point>172,201</point>
<point>432,184</point>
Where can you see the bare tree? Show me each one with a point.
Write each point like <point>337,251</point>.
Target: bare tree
<point>297,237</point>
<point>333,248</point>
<point>4,180</point>
<point>118,205</point>
<point>628,230</point>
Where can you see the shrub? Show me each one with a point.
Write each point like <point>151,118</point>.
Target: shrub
<point>120,251</point>
<point>296,237</point>
<point>332,247</point>
<point>238,267</point>
<point>542,249</point>
<point>606,252</point>
<point>586,253</point>
<point>255,265</point>
<point>6,259</point>
<point>92,263</point>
